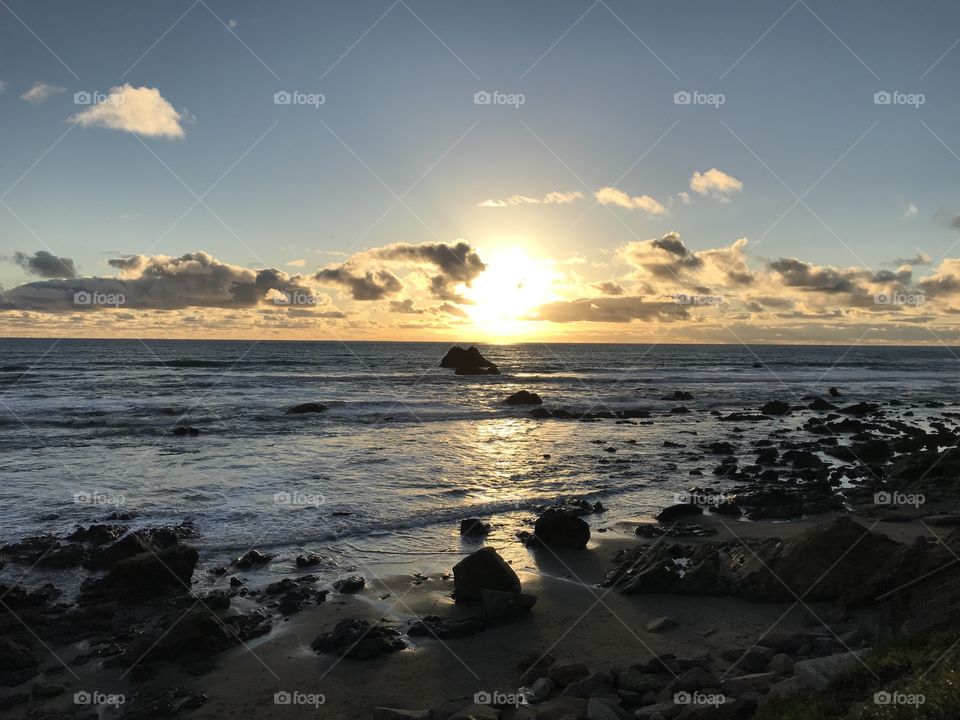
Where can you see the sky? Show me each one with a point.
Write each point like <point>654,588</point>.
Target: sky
<point>414,169</point>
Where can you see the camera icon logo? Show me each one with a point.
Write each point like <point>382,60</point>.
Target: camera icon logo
<point>82,98</point>
<point>81,698</point>
<point>282,97</point>
<point>82,297</point>
<point>882,498</point>
<point>882,299</point>
<point>682,698</point>
<point>482,97</point>
<point>882,698</point>
<point>482,698</point>
<point>282,698</point>
<point>682,97</point>
<point>882,97</point>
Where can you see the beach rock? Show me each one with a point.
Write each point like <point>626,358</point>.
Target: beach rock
<point>126,547</point>
<point>564,675</point>
<point>821,405</point>
<point>250,559</point>
<point>483,570</point>
<point>499,605</point>
<point>474,527</point>
<point>145,576</point>
<point>597,682</point>
<point>767,456</point>
<point>775,407</point>
<point>542,687</point>
<point>98,534</point>
<point>665,710</point>
<point>306,408</point>
<point>17,659</point>
<point>755,682</point>
<point>385,713</point>
<point>185,431</point>
<point>781,664</point>
<point>834,392</point>
<point>309,560</point>
<point>523,397</point>
<point>860,408</point>
<point>196,635</point>
<point>358,640</point>
<point>561,530</point>
<point>158,704</point>
<point>352,584</point>
<point>673,513</point>
<point>29,551</point>
<point>597,709</point>
<point>468,362</point>
<point>679,396</point>
<point>661,624</point>
<point>817,673</point>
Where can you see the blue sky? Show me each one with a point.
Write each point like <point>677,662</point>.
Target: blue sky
<point>307,183</point>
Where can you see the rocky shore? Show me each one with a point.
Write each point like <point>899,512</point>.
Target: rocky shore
<point>709,610</point>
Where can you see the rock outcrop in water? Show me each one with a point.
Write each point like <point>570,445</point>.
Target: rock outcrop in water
<point>468,362</point>
<point>523,397</point>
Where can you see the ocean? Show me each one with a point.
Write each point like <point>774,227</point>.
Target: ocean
<point>405,449</point>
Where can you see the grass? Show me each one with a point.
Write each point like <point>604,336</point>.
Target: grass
<point>927,665</point>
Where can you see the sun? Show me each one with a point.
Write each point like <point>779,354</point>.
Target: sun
<point>506,293</point>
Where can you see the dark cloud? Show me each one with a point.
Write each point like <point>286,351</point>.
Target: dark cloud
<point>918,259</point>
<point>611,310</point>
<point>404,307</point>
<point>798,274</point>
<point>369,286</point>
<point>458,263</point>
<point>46,265</point>
<point>448,309</point>
<point>609,287</point>
<point>162,283</point>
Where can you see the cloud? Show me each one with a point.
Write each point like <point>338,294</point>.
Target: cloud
<point>910,212</point>
<point>232,23</point>
<point>3,86</point>
<point>368,286</point>
<point>806,276</point>
<point>665,263</point>
<point>299,263</point>
<point>448,309</point>
<point>455,264</point>
<point>921,258</point>
<point>160,282</point>
<point>684,197</point>
<point>46,265</point>
<point>715,183</point>
<point>552,198</point>
<point>611,310</point>
<point>404,307</point>
<point>609,287</point>
<point>140,110</point>
<point>39,92</point>
<point>613,196</point>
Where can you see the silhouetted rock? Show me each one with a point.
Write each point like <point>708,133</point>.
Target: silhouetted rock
<point>358,640</point>
<point>775,407</point>
<point>679,395</point>
<point>185,430</point>
<point>523,397</point>
<point>561,530</point>
<point>474,527</point>
<point>483,570</point>
<point>680,510</point>
<point>352,584</point>
<point>468,362</point>
<point>834,392</point>
<point>145,576</point>
<point>98,534</point>
<point>251,558</point>
<point>306,408</point>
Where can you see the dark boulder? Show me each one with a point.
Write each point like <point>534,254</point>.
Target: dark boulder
<point>126,547</point>
<point>678,511</point>
<point>306,408</point>
<point>474,527</point>
<point>145,576</point>
<point>352,584</point>
<point>679,395</point>
<point>834,392</point>
<point>98,534</point>
<point>523,397</point>
<point>483,570</point>
<point>775,407</point>
<point>468,362</point>
<point>506,605</point>
<point>561,530</point>
<point>860,408</point>
<point>251,558</point>
<point>358,640</point>
<point>185,431</point>
<point>820,405</point>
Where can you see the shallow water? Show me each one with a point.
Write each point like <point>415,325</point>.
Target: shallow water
<point>406,448</point>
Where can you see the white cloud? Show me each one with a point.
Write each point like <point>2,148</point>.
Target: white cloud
<point>41,91</point>
<point>715,183</point>
<point>911,211</point>
<point>140,110</point>
<point>232,23</point>
<point>551,198</point>
<point>299,263</point>
<point>3,85</point>
<point>684,197</point>
<point>613,196</point>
